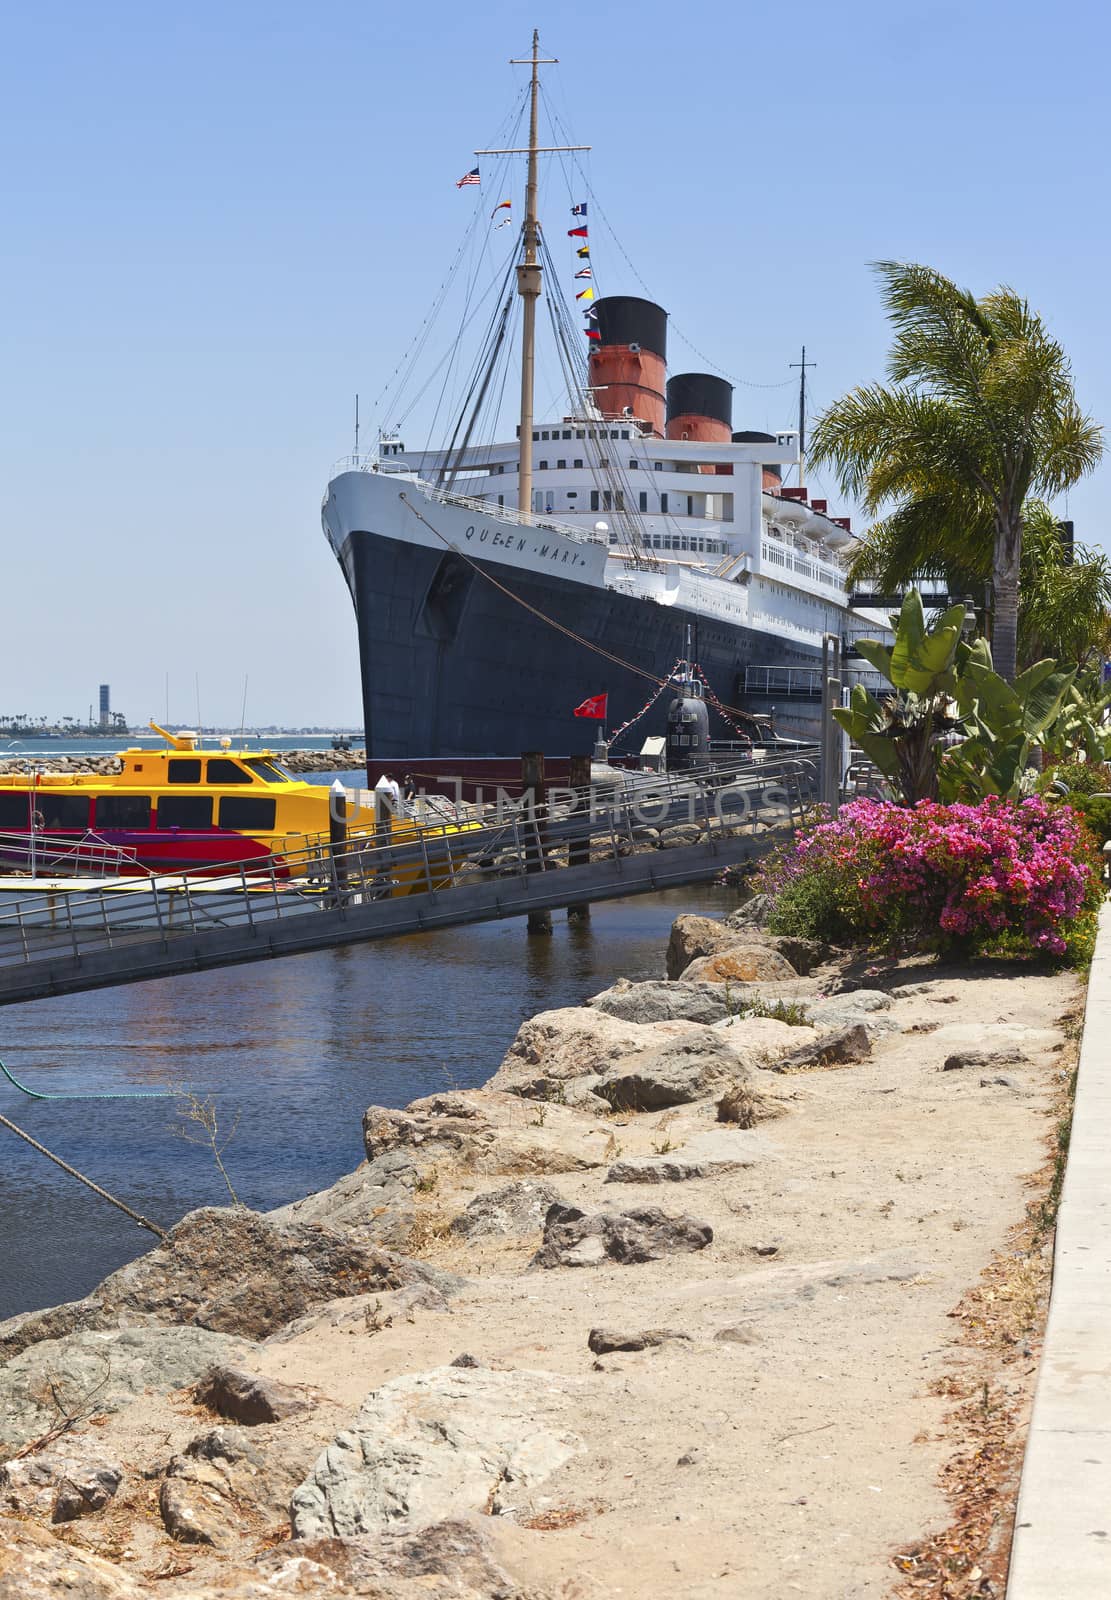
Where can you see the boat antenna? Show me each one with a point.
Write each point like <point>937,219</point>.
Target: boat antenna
<point>528,270</point>
<point>243,712</point>
<point>356,426</point>
<point>802,366</point>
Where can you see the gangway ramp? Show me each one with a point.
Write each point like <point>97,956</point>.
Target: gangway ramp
<point>435,877</point>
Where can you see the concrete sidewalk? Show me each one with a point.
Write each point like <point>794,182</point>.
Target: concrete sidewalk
<point>1062,1543</point>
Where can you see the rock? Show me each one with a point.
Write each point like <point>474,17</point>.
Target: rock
<point>839,1048</point>
<point>753,914</point>
<point>574,1239</point>
<point>61,1482</point>
<point>447,1560</point>
<point>95,1373</point>
<point>743,1333</point>
<point>692,937</point>
<point>689,1458</point>
<point>489,1132</point>
<point>376,1198</point>
<point>740,963</point>
<point>684,833</point>
<point>863,1006</point>
<point>35,1565</point>
<point>604,1341</point>
<point>656,1001</point>
<point>519,1208</point>
<point>229,1482</point>
<point>1003,1080</point>
<point>231,1271</point>
<point>743,1105</point>
<point>467,1362</point>
<point>439,1444</point>
<point>243,1397</point>
<point>675,1073</point>
<point>573,1042</point>
<point>984,1060</point>
<point>703,1156</point>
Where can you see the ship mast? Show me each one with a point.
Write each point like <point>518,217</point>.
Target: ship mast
<point>528,287</point>
<point>528,270</point>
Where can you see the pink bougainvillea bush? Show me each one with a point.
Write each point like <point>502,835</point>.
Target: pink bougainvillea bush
<point>1021,876</point>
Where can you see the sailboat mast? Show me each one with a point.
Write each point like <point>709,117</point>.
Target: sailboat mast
<point>528,287</point>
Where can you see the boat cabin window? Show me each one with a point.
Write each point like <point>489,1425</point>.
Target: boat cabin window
<point>221,770</point>
<point>243,811</point>
<point>184,810</point>
<point>122,811</point>
<point>268,770</point>
<point>183,771</point>
<point>63,810</point>
<point>15,810</point>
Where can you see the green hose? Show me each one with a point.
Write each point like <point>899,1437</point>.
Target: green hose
<point>126,1094</point>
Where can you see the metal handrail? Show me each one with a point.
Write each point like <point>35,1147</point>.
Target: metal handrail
<point>37,926</point>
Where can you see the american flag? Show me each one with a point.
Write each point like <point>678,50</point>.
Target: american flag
<point>468,177</point>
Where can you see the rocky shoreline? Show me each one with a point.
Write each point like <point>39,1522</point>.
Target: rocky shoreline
<point>667,1307</point>
<point>297,761</point>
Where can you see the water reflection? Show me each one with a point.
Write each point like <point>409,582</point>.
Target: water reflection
<point>297,1048</point>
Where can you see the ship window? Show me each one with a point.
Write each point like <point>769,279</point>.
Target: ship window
<point>541,466</point>
<point>544,433</point>
<point>267,770</point>
<point>122,811</point>
<point>501,500</point>
<point>643,499</point>
<point>535,437</point>
<point>221,770</point>
<point>624,433</point>
<point>633,464</point>
<point>603,461</point>
<point>566,433</point>
<point>619,499</point>
<point>241,811</point>
<point>613,433</point>
<point>561,464</point>
<point>607,500</point>
<point>15,810</point>
<point>572,494</point>
<point>184,810</point>
<point>501,466</point>
<point>577,462</point>
<point>580,433</point>
<point>183,772</point>
<point>594,500</point>
<point>63,810</point>
<point>663,502</point>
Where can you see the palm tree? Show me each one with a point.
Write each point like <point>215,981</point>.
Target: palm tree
<point>979,418</point>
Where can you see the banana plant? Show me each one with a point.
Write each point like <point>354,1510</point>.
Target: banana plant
<point>903,732</point>
<point>1004,724</point>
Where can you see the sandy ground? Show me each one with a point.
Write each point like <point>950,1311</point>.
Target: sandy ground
<point>801,1452</point>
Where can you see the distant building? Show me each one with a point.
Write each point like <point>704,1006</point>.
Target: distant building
<point>105,705</point>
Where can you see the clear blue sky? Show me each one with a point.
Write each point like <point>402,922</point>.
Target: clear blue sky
<point>220,221</point>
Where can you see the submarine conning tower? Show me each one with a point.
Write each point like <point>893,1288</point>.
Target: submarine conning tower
<point>628,362</point>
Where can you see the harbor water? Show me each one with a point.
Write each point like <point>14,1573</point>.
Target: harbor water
<point>291,1052</point>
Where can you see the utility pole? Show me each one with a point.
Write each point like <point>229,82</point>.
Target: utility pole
<point>802,366</point>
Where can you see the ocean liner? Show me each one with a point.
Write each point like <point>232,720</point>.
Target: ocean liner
<point>497,585</point>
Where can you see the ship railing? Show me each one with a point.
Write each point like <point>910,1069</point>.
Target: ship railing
<point>510,514</point>
<point>89,856</point>
<point>573,827</point>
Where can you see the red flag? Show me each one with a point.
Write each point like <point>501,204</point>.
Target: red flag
<point>592,333</point>
<point>594,707</point>
<point>578,233</point>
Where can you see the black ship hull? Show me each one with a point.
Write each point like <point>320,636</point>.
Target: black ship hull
<point>455,664</point>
